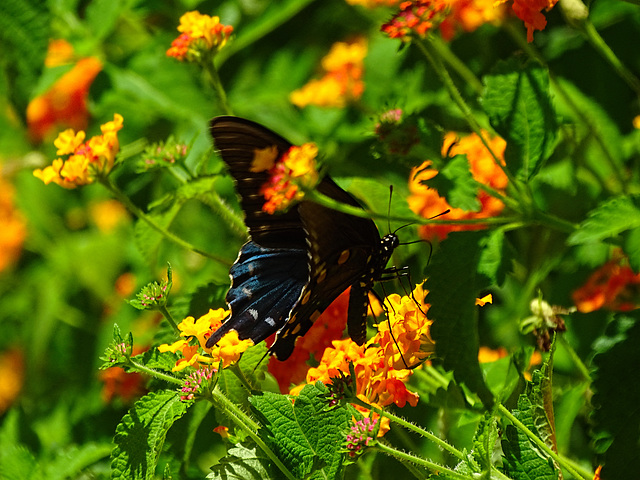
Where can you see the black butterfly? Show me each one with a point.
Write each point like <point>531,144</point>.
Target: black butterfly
<point>296,263</point>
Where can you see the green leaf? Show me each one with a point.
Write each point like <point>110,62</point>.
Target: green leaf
<point>607,220</point>
<point>73,462</point>
<point>147,238</point>
<point>243,463</point>
<point>141,434</point>
<point>152,358</point>
<point>102,16</point>
<point>616,417</point>
<point>485,440</point>
<point>455,183</point>
<point>305,435</point>
<point>18,463</point>
<point>24,36</point>
<point>518,103</point>
<point>522,459</point>
<point>453,282</point>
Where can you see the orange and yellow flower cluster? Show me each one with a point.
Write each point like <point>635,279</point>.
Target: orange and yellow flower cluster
<point>65,102</point>
<point>327,328</point>
<point>289,176</point>
<point>342,82</point>
<point>200,35</point>
<point>86,160</point>
<point>614,286</point>
<point>416,18</point>
<point>530,12</point>
<point>428,203</point>
<point>469,15</point>
<point>14,228</point>
<point>196,332</point>
<point>374,3</point>
<point>382,365</point>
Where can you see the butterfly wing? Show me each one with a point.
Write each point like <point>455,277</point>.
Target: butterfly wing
<point>272,268</point>
<point>341,249</point>
<point>240,143</point>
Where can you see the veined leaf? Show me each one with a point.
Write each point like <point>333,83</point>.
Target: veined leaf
<point>455,183</point>
<point>141,434</point>
<point>305,435</point>
<point>453,282</point>
<point>518,103</point>
<point>608,220</point>
<point>243,463</point>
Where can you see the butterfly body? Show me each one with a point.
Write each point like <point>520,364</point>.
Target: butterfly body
<point>297,262</point>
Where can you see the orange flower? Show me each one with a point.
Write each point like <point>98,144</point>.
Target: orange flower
<point>427,202</point>
<point>118,383</point>
<point>200,34</point>
<point>12,375</point>
<point>613,286</point>
<point>295,169</point>
<point>87,160</point>
<point>380,372</point>
<point>328,327</point>
<point>530,12</point>
<point>469,15</point>
<point>342,82</point>
<point>416,18</point>
<point>14,228</point>
<point>65,102</point>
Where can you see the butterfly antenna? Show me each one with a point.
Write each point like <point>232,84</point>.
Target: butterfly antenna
<point>389,209</point>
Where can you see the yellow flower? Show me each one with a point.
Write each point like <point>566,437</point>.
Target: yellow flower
<point>87,160</point>
<point>291,174</point>
<point>200,34</point>
<point>342,82</point>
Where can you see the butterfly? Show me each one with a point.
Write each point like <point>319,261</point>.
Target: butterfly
<point>295,263</point>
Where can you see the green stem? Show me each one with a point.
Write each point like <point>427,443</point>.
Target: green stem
<point>237,371</point>
<point>155,373</point>
<point>246,423</point>
<point>543,446</point>
<point>235,222</point>
<point>414,428</point>
<point>408,458</point>
<point>212,72</point>
<point>124,199</point>
<point>456,64</point>
<point>600,46</point>
<point>169,317</point>
<point>582,368</point>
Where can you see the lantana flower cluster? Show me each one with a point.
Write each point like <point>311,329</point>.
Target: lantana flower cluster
<point>383,365</point>
<point>614,286</point>
<point>342,83</point>
<point>14,226</point>
<point>289,176</point>
<point>428,203</point>
<point>530,12</point>
<point>416,18</point>
<point>86,160</point>
<point>200,35</point>
<point>195,333</point>
<point>65,102</point>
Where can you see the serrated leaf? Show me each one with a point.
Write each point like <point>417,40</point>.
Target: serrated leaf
<point>518,103</point>
<point>494,257</point>
<point>522,459</point>
<point>608,219</point>
<point>453,282</point>
<point>156,360</point>
<point>243,463</point>
<point>147,238</point>
<point>455,182</point>
<point>304,435</point>
<point>141,433</point>
<point>616,417</point>
<point>485,440</point>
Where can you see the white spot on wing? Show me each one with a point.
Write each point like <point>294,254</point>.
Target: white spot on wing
<point>270,321</point>
<point>253,313</point>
